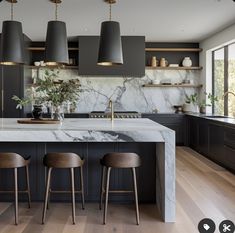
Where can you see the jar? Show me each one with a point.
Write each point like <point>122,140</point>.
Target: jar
<point>163,62</point>
<point>187,62</point>
<point>154,62</point>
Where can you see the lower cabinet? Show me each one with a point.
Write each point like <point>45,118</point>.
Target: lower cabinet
<point>214,140</point>
<point>175,122</point>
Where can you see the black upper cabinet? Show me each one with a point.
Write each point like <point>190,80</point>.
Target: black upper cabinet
<point>133,57</point>
<point>11,83</point>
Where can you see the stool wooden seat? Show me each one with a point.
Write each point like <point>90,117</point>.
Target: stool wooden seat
<point>63,160</point>
<point>118,160</point>
<point>15,161</point>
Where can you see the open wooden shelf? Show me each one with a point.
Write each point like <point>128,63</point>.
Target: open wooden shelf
<point>173,85</point>
<point>52,67</point>
<point>174,68</point>
<point>43,48</point>
<point>173,49</point>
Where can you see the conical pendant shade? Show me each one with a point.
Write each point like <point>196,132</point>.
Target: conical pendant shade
<point>12,44</point>
<point>110,49</point>
<point>56,44</point>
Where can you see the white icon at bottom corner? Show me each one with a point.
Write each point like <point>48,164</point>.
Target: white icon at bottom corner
<point>226,228</point>
<point>206,227</point>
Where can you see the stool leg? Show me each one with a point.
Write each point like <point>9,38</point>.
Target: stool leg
<point>136,197</point>
<point>28,185</point>
<point>106,195</point>
<point>73,194</point>
<point>46,195</point>
<point>102,186</point>
<point>82,187</point>
<point>16,196</point>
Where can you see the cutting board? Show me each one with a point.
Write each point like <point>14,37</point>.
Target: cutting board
<point>37,121</point>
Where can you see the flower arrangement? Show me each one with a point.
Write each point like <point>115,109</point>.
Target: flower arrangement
<point>50,90</point>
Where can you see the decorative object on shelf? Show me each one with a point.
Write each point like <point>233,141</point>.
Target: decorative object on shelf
<point>37,63</point>
<point>187,62</point>
<point>163,62</point>
<point>155,81</point>
<point>12,50</point>
<point>204,103</point>
<point>50,91</point>
<point>191,103</point>
<point>56,51</point>
<point>166,81</point>
<point>154,62</point>
<point>110,48</point>
<point>174,65</point>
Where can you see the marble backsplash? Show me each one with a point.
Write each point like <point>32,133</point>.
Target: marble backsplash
<point>128,94</point>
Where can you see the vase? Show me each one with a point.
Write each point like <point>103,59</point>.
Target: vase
<point>190,107</point>
<point>37,111</point>
<point>187,62</point>
<point>57,113</point>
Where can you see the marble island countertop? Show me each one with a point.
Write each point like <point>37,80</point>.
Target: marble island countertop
<point>85,130</point>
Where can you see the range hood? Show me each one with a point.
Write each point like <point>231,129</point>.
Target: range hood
<point>133,57</point>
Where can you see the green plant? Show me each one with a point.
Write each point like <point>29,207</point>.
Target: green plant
<point>193,98</point>
<point>50,90</point>
<point>212,99</point>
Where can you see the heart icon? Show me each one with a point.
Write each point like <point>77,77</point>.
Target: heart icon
<point>206,227</point>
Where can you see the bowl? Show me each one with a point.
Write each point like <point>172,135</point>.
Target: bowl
<point>37,63</point>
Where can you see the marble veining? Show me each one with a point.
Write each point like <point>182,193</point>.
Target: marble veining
<point>128,94</point>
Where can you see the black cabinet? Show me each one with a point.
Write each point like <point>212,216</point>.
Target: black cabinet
<point>175,122</point>
<point>213,139</point>
<point>133,57</point>
<point>11,83</point>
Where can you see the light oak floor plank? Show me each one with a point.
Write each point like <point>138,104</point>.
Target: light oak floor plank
<point>203,190</point>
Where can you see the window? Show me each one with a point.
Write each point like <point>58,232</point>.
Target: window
<point>224,80</point>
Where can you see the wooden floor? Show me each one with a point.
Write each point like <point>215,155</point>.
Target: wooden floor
<point>203,189</point>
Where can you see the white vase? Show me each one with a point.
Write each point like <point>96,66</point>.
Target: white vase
<point>187,62</point>
<point>191,108</point>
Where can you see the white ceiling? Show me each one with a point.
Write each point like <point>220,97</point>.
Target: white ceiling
<point>158,20</point>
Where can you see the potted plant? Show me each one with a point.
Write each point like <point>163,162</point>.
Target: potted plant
<point>52,92</point>
<point>204,103</point>
<point>191,103</point>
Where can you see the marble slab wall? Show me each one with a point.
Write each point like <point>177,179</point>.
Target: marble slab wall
<point>128,94</point>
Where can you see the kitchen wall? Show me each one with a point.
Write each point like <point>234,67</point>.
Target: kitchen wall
<point>128,93</point>
<point>217,40</point>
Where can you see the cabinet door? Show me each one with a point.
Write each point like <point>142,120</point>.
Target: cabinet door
<point>172,121</point>
<point>203,136</point>
<point>11,84</point>
<point>216,143</point>
<point>193,133</point>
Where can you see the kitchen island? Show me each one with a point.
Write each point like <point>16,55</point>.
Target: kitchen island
<point>91,139</point>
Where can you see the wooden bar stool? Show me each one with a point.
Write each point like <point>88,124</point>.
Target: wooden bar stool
<point>118,160</point>
<point>63,160</point>
<point>15,161</point>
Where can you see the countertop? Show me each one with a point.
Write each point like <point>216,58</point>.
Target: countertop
<point>85,130</point>
<point>214,117</point>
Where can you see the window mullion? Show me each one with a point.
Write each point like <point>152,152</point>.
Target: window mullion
<point>226,80</point>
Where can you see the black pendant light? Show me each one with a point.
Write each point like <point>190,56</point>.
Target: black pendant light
<point>12,49</point>
<point>110,48</point>
<point>56,52</point>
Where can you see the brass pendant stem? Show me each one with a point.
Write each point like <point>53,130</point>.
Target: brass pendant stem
<point>110,11</point>
<point>12,11</point>
<point>56,10</point>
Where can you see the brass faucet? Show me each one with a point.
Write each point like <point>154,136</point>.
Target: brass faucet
<point>228,92</point>
<point>111,107</point>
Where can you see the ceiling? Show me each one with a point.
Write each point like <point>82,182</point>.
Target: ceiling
<point>158,20</point>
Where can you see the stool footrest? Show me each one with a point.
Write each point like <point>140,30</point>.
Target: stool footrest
<point>65,192</point>
<point>9,191</point>
<point>120,191</point>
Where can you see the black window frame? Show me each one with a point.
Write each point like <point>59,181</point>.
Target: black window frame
<point>226,76</point>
